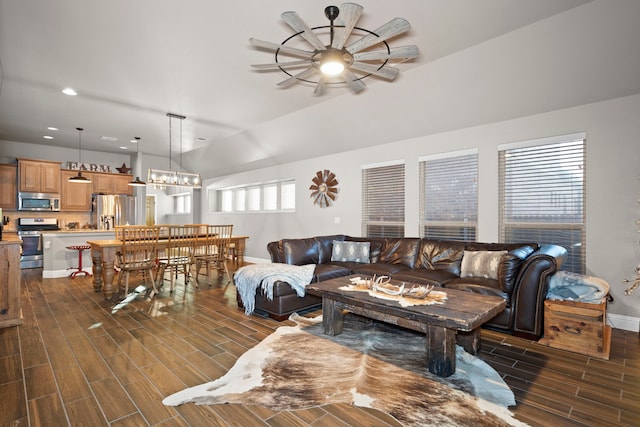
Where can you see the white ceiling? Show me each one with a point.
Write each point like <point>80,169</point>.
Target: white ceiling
<point>133,61</point>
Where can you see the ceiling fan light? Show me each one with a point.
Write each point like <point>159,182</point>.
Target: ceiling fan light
<point>332,67</point>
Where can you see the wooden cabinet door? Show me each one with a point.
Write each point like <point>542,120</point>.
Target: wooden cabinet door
<point>10,314</point>
<point>121,184</point>
<point>50,178</point>
<point>102,183</point>
<point>74,196</point>
<point>8,187</point>
<point>39,176</point>
<point>29,176</point>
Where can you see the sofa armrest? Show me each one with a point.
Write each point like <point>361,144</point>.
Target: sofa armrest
<point>531,289</point>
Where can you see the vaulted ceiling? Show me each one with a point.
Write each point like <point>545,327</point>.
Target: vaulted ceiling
<point>131,62</point>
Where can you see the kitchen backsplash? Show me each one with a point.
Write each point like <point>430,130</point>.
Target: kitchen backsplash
<point>64,218</point>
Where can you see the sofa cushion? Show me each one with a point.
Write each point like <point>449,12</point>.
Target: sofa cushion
<point>379,269</point>
<point>481,264</point>
<point>440,255</point>
<point>329,271</point>
<point>402,251</point>
<point>478,286</point>
<point>350,251</point>
<point>375,246</point>
<point>301,251</point>
<point>424,276</point>
<point>326,246</point>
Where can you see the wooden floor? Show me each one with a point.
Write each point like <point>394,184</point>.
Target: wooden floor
<point>75,362</point>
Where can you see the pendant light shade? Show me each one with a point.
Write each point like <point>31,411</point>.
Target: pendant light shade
<point>137,182</point>
<point>80,179</point>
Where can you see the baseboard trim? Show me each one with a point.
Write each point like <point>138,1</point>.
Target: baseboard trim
<point>627,323</point>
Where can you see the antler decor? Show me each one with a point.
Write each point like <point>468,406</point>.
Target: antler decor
<point>324,188</point>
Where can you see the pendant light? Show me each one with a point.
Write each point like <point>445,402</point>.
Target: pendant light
<point>137,182</point>
<point>79,179</point>
<point>172,178</point>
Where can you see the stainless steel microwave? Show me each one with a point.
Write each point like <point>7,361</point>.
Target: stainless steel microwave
<point>39,202</point>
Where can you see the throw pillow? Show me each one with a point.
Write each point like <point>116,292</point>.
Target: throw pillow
<point>481,264</point>
<point>350,251</point>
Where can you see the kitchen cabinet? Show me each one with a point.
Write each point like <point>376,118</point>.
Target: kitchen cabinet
<point>39,176</point>
<point>74,196</point>
<point>10,312</point>
<point>112,183</point>
<point>8,187</point>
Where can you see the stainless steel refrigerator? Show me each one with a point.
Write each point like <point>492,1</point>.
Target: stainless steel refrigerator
<point>109,210</point>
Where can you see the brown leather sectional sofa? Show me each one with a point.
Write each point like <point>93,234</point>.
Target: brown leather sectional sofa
<point>521,277</point>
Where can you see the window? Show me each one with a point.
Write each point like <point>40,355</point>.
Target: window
<point>253,198</point>
<point>182,203</point>
<point>226,201</point>
<point>272,196</point>
<point>383,200</point>
<point>288,195</point>
<point>542,195</point>
<point>449,196</point>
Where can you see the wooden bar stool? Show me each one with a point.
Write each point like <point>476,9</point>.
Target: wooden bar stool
<point>78,270</point>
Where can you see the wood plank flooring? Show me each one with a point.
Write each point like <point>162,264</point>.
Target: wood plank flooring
<point>75,362</point>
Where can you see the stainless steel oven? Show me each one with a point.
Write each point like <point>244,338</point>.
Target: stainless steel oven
<point>30,232</point>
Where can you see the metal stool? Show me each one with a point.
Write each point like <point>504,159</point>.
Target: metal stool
<point>79,270</point>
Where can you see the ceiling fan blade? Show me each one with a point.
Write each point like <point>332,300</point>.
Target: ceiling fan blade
<point>331,176</point>
<point>303,62</point>
<point>300,76</point>
<point>325,174</point>
<point>331,196</point>
<point>282,48</point>
<point>319,177</point>
<point>299,25</point>
<point>321,86</point>
<point>403,52</point>
<point>354,83</point>
<point>388,73</point>
<point>347,19</point>
<point>390,29</point>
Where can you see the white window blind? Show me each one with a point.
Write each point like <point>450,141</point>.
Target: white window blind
<point>288,195</point>
<point>449,196</point>
<point>253,198</point>
<point>270,193</point>
<point>239,199</point>
<point>383,201</point>
<point>542,196</point>
<point>226,203</point>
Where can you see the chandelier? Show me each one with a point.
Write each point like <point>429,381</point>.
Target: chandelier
<point>159,178</point>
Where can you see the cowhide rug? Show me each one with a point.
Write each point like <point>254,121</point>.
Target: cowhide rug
<point>371,364</point>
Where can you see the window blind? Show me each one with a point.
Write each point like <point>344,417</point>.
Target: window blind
<point>449,196</point>
<point>383,201</point>
<point>542,197</point>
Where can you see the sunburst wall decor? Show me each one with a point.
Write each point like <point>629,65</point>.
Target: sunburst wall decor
<point>324,188</point>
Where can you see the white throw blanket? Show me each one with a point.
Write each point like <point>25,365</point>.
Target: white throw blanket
<point>565,285</point>
<point>250,277</point>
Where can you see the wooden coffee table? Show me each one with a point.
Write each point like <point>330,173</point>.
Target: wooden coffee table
<point>457,320</point>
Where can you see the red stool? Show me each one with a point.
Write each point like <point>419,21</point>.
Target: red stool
<point>79,270</point>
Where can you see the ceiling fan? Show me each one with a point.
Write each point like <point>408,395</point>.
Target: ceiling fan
<point>352,53</point>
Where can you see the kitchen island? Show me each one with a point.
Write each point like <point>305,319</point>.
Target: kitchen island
<point>58,261</point>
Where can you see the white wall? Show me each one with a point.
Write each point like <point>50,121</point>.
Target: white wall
<point>613,186</point>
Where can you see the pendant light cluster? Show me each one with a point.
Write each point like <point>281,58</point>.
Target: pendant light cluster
<point>80,179</point>
<point>170,178</point>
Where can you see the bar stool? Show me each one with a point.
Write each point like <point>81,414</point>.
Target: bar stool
<point>79,270</point>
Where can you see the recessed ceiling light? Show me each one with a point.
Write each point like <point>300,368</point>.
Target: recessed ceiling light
<point>52,128</point>
<point>124,148</point>
<point>47,137</point>
<point>135,141</point>
<point>108,138</point>
<point>69,91</point>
